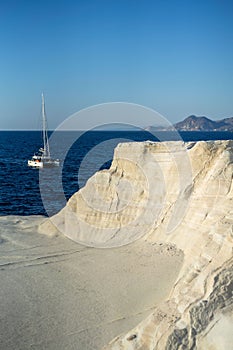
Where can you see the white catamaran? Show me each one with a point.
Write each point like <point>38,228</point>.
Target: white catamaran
<point>43,158</point>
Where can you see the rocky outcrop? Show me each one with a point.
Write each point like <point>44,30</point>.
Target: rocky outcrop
<point>119,205</point>
<point>169,192</point>
<point>202,314</point>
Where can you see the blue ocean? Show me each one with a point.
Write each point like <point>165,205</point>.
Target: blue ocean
<point>20,186</point>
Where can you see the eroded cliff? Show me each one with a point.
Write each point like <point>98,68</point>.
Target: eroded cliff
<point>174,192</point>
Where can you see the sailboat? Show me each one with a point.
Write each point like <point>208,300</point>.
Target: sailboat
<point>43,157</point>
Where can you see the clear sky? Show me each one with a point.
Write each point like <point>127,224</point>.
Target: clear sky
<point>173,56</point>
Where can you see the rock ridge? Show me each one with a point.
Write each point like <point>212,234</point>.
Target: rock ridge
<point>170,192</point>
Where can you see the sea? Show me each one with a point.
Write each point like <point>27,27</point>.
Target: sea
<point>28,191</point>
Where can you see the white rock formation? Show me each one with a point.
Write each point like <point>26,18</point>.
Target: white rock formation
<point>165,192</point>
<point>119,205</point>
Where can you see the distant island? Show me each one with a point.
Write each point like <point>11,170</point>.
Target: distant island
<point>194,123</point>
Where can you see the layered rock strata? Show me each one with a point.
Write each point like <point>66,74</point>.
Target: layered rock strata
<point>173,192</point>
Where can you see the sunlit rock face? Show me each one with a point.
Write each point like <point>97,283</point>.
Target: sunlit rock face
<point>174,192</point>
<point>122,204</point>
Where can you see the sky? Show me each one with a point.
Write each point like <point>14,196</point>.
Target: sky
<point>173,56</point>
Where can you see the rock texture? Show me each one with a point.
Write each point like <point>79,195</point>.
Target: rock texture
<point>119,205</point>
<point>56,294</point>
<point>170,192</point>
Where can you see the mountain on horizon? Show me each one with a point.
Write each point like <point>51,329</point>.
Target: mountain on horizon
<point>194,123</point>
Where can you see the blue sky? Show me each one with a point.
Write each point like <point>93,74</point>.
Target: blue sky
<point>173,56</point>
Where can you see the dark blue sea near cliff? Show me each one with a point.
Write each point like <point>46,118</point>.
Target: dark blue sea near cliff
<point>20,185</point>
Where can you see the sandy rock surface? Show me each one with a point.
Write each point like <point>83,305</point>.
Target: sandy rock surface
<point>58,294</point>
<point>156,200</point>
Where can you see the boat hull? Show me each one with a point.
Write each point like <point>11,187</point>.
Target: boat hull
<point>35,164</point>
<point>43,164</point>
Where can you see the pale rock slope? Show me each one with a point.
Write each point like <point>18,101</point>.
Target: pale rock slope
<point>173,192</point>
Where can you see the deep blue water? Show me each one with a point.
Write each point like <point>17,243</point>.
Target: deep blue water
<point>20,188</point>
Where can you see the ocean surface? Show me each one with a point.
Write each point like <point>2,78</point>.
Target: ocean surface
<point>27,191</point>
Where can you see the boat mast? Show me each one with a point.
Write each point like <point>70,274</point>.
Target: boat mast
<point>45,133</point>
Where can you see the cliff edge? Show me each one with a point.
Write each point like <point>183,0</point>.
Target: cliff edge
<point>173,192</point>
